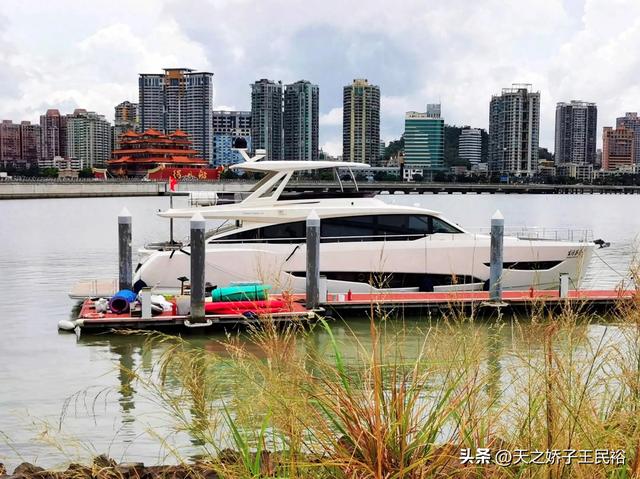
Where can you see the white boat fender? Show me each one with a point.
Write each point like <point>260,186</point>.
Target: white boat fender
<point>161,302</point>
<point>66,325</point>
<point>101,305</point>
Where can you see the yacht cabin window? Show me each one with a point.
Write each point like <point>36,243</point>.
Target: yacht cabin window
<point>352,228</point>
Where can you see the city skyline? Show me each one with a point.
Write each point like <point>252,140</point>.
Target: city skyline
<point>90,58</point>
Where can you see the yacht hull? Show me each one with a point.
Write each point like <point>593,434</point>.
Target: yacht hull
<point>436,262</point>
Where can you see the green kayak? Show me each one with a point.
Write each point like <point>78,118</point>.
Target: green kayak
<point>249,292</point>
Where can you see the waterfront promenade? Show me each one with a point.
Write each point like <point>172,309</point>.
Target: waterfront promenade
<point>43,188</point>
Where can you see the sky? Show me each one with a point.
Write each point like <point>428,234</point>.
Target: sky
<point>70,54</point>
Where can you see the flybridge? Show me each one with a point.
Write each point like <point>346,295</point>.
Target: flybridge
<point>268,191</point>
<point>279,173</point>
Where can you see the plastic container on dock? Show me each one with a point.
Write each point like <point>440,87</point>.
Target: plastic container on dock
<point>120,301</point>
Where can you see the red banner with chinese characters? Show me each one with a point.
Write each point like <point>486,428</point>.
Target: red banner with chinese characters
<point>180,174</point>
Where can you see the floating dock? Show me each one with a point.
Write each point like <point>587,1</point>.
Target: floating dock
<point>513,300</point>
<point>90,321</point>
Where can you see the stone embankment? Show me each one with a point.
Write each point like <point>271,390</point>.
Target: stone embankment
<point>104,467</point>
<point>80,189</point>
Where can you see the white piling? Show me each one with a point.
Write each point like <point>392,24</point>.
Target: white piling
<point>145,300</point>
<point>171,219</point>
<point>496,257</point>
<point>125,263</point>
<point>198,245</point>
<point>564,285</point>
<point>313,261</point>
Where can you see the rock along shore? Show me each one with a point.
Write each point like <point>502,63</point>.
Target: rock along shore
<point>104,467</point>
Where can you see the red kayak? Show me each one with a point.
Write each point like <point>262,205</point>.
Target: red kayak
<point>242,307</point>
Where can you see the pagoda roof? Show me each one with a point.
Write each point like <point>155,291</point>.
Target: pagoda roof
<point>152,132</point>
<point>176,151</point>
<point>179,133</point>
<point>183,160</point>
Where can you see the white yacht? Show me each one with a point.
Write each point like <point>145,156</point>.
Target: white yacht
<point>366,244</point>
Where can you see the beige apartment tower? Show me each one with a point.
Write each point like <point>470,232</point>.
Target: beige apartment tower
<point>361,122</point>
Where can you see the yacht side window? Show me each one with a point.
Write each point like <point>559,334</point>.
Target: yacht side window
<point>419,225</point>
<point>246,235</point>
<point>285,231</point>
<point>355,227</point>
<point>440,226</point>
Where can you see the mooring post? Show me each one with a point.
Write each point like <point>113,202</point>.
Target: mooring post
<point>496,257</point>
<point>145,300</point>
<point>564,285</point>
<point>125,263</point>
<point>171,219</point>
<point>313,260</point>
<point>197,267</point>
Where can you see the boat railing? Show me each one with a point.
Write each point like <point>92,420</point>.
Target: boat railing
<point>543,233</point>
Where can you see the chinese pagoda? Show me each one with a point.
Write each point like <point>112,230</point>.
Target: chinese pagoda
<point>154,155</point>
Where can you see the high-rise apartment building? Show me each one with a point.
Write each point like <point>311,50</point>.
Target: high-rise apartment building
<point>53,131</point>
<point>434,110</point>
<point>300,121</point>
<point>10,151</point>
<point>19,144</point>
<point>232,122</point>
<point>576,132</point>
<point>618,148</point>
<point>470,146</point>
<point>266,118</point>
<point>88,138</point>
<point>30,143</point>
<point>631,121</point>
<point>230,128</point>
<point>126,119</point>
<point>514,131</point>
<point>126,112</point>
<point>361,122</point>
<point>151,101</point>
<point>424,141</point>
<point>178,99</point>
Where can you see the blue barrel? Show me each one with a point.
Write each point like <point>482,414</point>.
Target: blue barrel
<point>119,302</point>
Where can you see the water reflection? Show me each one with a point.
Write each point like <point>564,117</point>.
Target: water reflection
<point>494,357</point>
<point>126,374</point>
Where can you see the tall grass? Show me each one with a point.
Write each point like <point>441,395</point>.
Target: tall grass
<point>275,403</point>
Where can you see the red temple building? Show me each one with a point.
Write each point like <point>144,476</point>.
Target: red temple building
<point>158,156</point>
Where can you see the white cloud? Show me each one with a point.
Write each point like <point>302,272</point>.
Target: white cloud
<point>418,51</point>
<point>333,117</point>
<point>334,148</point>
<point>99,70</point>
<point>225,108</point>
